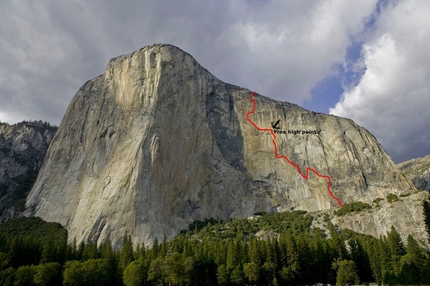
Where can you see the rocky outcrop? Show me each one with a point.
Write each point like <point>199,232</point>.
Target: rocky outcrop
<point>418,171</point>
<point>404,213</point>
<point>22,150</point>
<point>157,142</point>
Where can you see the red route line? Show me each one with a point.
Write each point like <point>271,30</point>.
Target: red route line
<point>286,158</point>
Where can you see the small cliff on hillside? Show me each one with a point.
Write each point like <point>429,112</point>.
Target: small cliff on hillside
<point>22,149</point>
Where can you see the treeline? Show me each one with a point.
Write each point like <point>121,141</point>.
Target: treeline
<point>46,124</point>
<point>268,249</point>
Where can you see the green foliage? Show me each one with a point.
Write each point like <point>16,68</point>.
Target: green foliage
<point>90,272</point>
<point>352,207</point>
<point>405,195</point>
<point>376,201</point>
<point>409,274</point>
<point>48,274</point>
<point>7,276</point>
<point>214,253</point>
<point>24,275</point>
<point>43,274</point>
<point>156,272</point>
<point>136,273</point>
<point>16,189</point>
<point>199,225</point>
<point>126,255</point>
<point>396,249</point>
<point>294,222</point>
<point>33,227</point>
<point>346,272</point>
<point>223,275</point>
<point>392,198</point>
<point>237,276</point>
<point>177,269</point>
<point>251,272</point>
<point>30,241</point>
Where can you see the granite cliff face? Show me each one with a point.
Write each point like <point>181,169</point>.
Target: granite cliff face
<point>418,171</point>
<point>157,142</point>
<point>22,150</point>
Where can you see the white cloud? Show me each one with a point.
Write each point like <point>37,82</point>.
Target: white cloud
<point>289,48</point>
<point>279,48</point>
<point>393,96</point>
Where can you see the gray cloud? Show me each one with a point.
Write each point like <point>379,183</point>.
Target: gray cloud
<point>281,49</point>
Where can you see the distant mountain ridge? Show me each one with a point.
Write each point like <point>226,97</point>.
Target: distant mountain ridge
<point>418,171</point>
<point>23,147</point>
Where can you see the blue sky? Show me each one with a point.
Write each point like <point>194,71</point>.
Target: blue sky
<point>366,60</point>
<point>326,93</point>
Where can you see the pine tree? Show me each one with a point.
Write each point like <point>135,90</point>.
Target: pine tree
<point>414,249</point>
<point>221,254</point>
<point>163,248</point>
<point>397,248</point>
<point>110,256</point>
<point>409,274</point>
<point>233,254</point>
<point>48,252</point>
<point>71,251</point>
<point>292,260</point>
<point>374,258</point>
<point>361,259</point>
<point>80,251</point>
<point>254,252</point>
<point>305,259</point>
<point>270,251</point>
<point>322,260</point>
<point>90,251</point>
<point>237,276</point>
<point>16,253</point>
<point>155,249</point>
<point>223,276</point>
<point>413,263</point>
<point>251,272</point>
<point>126,255</point>
<point>337,245</point>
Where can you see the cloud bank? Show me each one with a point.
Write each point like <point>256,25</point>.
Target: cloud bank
<point>392,98</point>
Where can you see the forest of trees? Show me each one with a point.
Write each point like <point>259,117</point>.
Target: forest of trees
<point>268,249</point>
